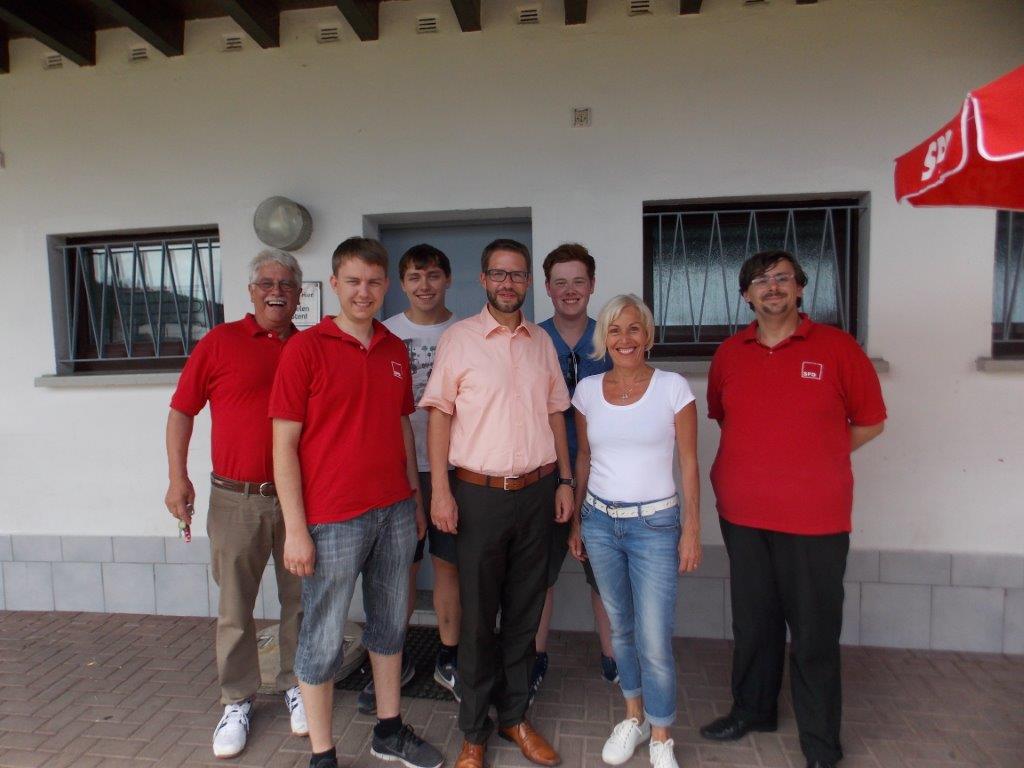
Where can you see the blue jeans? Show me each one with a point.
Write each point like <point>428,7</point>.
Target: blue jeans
<point>379,545</point>
<point>636,562</point>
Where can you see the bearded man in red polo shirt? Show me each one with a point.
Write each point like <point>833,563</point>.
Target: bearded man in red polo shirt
<point>232,367</point>
<point>794,399</point>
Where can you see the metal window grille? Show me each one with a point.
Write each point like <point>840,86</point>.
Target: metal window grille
<point>693,255</point>
<point>1008,286</point>
<point>137,304</point>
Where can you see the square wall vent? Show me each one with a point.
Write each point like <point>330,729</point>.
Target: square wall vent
<point>328,33</point>
<point>53,61</point>
<point>639,7</point>
<point>231,42</point>
<point>528,15</point>
<point>138,53</point>
<point>426,25</point>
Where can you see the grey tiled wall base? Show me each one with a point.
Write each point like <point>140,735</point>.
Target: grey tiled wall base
<point>938,600</point>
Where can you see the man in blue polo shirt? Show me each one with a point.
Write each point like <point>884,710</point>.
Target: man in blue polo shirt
<point>569,281</point>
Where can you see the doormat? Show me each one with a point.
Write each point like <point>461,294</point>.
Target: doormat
<point>421,644</point>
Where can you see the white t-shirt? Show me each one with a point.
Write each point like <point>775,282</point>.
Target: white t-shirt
<point>421,341</point>
<point>632,446</point>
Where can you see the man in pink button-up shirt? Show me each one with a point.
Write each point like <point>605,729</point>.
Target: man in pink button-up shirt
<point>496,397</point>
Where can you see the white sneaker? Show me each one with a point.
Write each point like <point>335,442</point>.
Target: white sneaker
<point>231,732</point>
<point>662,755</point>
<point>624,739</point>
<point>297,710</point>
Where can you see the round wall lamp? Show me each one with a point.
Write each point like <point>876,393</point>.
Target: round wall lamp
<point>282,223</point>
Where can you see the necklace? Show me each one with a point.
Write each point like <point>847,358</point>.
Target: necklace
<point>627,393</point>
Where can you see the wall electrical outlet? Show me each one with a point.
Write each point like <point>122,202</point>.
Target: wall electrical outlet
<point>581,117</point>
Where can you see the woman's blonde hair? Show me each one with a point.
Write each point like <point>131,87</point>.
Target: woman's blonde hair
<point>611,311</point>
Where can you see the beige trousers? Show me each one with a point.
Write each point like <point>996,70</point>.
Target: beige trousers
<point>244,531</point>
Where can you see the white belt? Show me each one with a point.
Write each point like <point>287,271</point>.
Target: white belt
<point>631,510</point>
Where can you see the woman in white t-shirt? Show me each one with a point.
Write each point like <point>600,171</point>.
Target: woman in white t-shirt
<point>629,422</point>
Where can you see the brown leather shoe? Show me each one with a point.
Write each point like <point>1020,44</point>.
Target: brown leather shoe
<point>471,756</point>
<point>535,747</point>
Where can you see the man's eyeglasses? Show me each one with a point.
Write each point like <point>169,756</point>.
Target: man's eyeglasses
<point>285,285</point>
<point>784,279</point>
<point>500,275</point>
<point>570,369</point>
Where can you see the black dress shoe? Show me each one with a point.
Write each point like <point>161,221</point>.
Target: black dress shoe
<point>820,764</point>
<point>730,728</point>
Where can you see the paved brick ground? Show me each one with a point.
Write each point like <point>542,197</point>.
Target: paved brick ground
<point>88,690</point>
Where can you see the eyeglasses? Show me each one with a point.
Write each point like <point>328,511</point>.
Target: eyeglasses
<point>571,370</point>
<point>268,285</point>
<point>500,275</point>
<point>784,279</point>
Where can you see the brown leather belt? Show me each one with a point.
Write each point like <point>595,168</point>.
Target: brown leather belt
<point>514,483</point>
<point>249,489</point>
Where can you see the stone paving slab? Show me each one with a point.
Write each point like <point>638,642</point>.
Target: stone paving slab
<point>90,690</point>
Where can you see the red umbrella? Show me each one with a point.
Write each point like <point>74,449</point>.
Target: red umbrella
<point>977,158</point>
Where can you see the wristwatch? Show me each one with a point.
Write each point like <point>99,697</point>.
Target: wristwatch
<point>570,481</point>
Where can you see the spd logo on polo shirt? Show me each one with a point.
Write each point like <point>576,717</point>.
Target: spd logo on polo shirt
<point>396,369</point>
<point>812,371</point>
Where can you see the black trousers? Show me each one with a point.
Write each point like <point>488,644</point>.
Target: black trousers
<point>502,552</point>
<point>779,579</point>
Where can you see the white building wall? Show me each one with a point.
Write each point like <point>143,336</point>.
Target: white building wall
<point>736,101</point>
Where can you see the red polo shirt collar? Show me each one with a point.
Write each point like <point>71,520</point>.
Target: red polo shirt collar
<point>255,329</point>
<point>803,330</point>
<point>328,327</point>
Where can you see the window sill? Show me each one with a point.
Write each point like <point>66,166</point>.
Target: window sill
<point>1000,364</point>
<point>700,367</point>
<point>90,380</point>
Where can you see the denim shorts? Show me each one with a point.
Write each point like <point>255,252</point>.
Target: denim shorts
<point>378,545</point>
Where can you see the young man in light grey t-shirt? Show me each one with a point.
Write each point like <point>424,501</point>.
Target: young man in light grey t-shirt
<point>426,275</point>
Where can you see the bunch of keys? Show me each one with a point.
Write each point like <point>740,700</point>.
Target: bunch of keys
<point>185,530</point>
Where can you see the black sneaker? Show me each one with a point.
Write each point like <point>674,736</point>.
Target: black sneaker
<point>540,668</point>
<point>407,748</point>
<point>326,761</point>
<point>447,676</point>
<point>366,701</point>
<point>609,669</point>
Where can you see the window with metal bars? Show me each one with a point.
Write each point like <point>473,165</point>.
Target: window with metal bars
<point>1008,287</point>
<point>693,254</point>
<point>133,302</point>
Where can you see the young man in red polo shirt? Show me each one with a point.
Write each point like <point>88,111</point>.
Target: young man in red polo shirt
<point>793,399</point>
<point>345,469</point>
<point>232,367</point>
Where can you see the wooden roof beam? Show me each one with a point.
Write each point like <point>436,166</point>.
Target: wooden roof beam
<point>58,28</point>
<point>158,26</point>
<point>468,14</point>
<point>259,19</point>
<point>687,7</point>
<point>363,16</point>
<point>575,11</point>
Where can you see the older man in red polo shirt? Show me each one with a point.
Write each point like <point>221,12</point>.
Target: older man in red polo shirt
<point>794,399</point>
<point>497,397</point>
<point>232,368</point>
